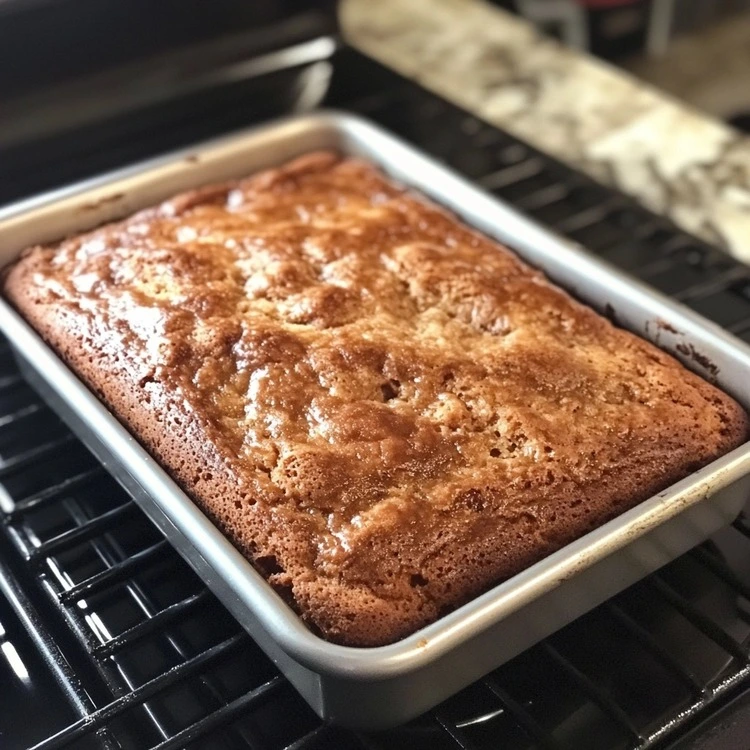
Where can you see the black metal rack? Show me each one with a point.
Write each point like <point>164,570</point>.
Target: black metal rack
<point>136,653</point>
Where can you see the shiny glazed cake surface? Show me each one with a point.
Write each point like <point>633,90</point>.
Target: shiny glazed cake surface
<point>386,411</point>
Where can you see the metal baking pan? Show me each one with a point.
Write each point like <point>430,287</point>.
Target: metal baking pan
<point>380,687</point>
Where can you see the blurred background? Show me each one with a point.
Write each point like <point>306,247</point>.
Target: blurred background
<point>698,50</point>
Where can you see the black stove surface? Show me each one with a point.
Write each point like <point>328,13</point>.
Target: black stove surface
<point>107,639</point>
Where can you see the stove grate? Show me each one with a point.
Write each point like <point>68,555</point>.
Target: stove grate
<point>51,563</point>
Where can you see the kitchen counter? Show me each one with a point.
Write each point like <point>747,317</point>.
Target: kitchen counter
<point>672,158</point>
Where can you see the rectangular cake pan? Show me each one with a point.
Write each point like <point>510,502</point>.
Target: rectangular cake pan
<point>381,687</point>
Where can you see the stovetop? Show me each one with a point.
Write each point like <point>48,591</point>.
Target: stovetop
<point>107,639</point>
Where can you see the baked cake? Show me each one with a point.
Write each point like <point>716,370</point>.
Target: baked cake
<point>385,411</point>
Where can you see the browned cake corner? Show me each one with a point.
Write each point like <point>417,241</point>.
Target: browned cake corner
<point>383,409</point>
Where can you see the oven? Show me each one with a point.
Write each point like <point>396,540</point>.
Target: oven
<point>108,639</point>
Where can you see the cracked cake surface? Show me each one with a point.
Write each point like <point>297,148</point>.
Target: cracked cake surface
<point>384,410</point>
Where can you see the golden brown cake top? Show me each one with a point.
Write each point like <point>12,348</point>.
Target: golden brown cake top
<point>406,412</point>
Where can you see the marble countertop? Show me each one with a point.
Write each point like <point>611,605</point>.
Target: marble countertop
<point>672,158</point>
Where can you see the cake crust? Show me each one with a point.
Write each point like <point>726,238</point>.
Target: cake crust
<point>385,411</point>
